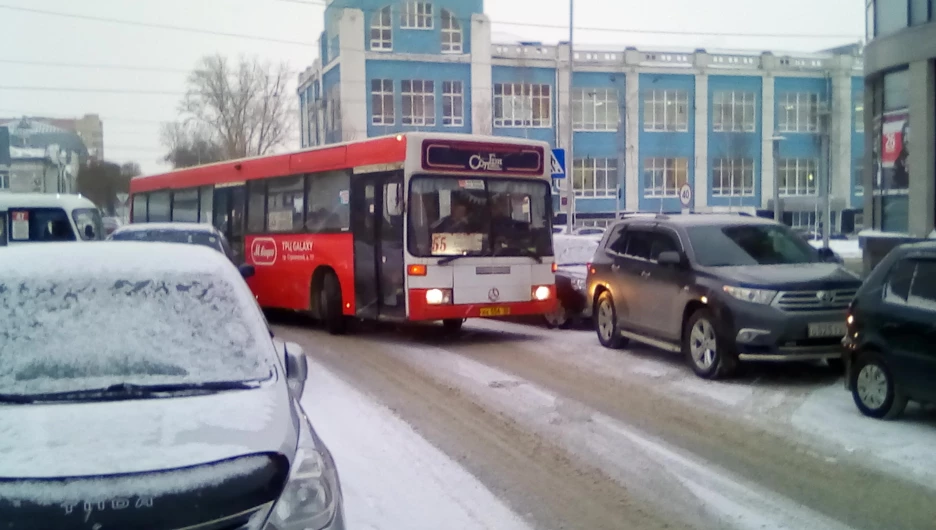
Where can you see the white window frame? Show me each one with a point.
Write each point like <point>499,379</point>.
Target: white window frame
<point>737,172</point>
<point>798,112</point>
<point>417,15</point>
<point>802,219</point>
<point>382,23</point>
<point>858,116</point>
<point>515,105</point>
<point>419,94</point>
<point>595,109</point>
<point>381,94</point>
<point>664,176</point>
<point>666,110</point>
<point>594,169</point>
<point>794,176</point>
<point>453,103</point>
<point>452,38</point>
<point>5,180</point>
<point>734,111</point>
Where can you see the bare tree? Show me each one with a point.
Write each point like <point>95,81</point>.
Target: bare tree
<point>190,144</point>
<point>246,106</point>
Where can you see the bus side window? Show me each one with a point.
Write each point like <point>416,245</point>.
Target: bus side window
<point>140,213</point>
<point>328,205</point>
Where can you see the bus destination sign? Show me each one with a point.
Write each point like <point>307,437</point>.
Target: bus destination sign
<point>482,158</point>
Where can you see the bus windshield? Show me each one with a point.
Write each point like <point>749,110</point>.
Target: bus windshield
<point>457,216</point>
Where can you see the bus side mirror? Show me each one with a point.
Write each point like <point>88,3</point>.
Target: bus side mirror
<point>247,270</point>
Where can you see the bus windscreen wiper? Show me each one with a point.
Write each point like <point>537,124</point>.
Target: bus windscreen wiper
<point>448,259</point>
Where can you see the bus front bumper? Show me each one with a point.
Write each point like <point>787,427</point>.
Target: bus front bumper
<point>420,309</point>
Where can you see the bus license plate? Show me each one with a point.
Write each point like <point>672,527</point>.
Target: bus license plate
<point>495,311</point>
<point>827,329</point>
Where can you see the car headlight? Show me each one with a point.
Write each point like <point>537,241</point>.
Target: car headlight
<point>578,284</point>
<point>756,296</point>
<point>308,501</point>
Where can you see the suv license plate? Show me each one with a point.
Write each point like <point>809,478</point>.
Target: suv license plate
<point>497,312</point>
<point>827,329</point>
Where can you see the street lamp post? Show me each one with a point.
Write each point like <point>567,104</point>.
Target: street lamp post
<point>570,159</point>
<point>777,208</point>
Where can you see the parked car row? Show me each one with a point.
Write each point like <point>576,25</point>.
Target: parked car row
<point>723,290</point>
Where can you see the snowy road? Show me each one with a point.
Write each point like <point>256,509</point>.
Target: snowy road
<point>514,426</point>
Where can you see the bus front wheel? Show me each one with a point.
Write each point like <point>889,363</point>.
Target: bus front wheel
<point>452,326</point>
<point>330,305</point>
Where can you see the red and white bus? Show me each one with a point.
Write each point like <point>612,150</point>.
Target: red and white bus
<point>416,227</point>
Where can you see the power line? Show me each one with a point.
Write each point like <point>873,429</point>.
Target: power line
<point>95,90</point>
<point>109,67</point>
<point>155,25</point>
<point>625,30</point>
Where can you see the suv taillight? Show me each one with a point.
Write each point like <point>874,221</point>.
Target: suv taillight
<point>589,268</point>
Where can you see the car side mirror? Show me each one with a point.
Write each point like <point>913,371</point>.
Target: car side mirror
<point>297,369</point>
<point>670,257</point>
<point>247,270</point>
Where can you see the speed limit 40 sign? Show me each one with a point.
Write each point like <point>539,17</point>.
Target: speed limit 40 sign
<point>685,195</point>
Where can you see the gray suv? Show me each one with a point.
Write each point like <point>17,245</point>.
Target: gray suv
<point>719,289</point>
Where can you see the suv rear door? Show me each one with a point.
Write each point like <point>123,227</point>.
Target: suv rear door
<point>664,295</point>
<point>634,267</point>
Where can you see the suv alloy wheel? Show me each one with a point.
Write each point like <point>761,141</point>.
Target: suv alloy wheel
<point>606,323</point>
<point>706,353</point>
<point>874,390</point>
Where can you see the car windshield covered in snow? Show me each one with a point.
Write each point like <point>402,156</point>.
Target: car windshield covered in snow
<point>204,238</point>
<point>65,330</point>
<point>574,250</point>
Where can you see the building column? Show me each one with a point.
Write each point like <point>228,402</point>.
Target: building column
<point>768,164</point>
<point>632,156</point>
<point>700,150</point>
<point>922,161</point>
<point>353,76</point>
<point>840,135</point>
<point>482,107</point>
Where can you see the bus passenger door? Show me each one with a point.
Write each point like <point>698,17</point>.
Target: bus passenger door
<point>229,204</point>
<point>364,230</point>
<point>390,264</point>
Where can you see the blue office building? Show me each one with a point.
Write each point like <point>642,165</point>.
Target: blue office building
<point>739,128</point>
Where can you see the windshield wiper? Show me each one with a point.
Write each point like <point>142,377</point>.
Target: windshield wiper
<point>448,259</point>
<point>122,391</point>
<point>530,254</point>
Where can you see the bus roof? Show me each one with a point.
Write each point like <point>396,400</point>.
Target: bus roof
<point>372,151</point>
<point>43,200</point>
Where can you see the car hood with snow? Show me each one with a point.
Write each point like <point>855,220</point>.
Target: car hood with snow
<point>140,388</point>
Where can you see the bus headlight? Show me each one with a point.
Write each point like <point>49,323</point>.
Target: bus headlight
<point>439,296</point>
<point>541,293</point>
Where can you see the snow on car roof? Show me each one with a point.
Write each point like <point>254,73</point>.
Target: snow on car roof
<point>182,227</point>
<point>80,317</point>
<point>105,257</point>
<point>43,200</point>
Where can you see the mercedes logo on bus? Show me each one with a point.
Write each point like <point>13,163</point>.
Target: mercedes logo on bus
<point>493,294</point>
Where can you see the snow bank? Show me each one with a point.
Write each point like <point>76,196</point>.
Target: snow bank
<point>847,249</point>
<point>377,453</point>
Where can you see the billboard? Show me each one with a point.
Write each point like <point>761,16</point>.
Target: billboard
<point>894,170</point>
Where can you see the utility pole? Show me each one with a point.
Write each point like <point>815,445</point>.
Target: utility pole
<point>825,172</point>
<point>570,158</point>
<point>777,208</point>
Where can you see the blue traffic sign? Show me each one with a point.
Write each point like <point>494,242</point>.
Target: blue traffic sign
<point>557,162</point>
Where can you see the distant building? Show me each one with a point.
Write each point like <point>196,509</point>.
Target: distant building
<point>36,170</point>
<point>30,132</point>
<point>645,122</point>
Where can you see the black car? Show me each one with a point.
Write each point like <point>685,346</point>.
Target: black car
<point>720,289</point>
<point>890,348</point>
<point>573,253</point>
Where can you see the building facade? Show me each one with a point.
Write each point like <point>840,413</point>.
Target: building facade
<point>900,91</point>
<point>34,132</point>
<point>733,126</point>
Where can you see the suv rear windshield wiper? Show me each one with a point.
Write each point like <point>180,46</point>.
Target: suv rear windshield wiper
<point>123,391</point>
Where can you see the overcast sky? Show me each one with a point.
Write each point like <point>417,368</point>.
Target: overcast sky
<point>131,121</point>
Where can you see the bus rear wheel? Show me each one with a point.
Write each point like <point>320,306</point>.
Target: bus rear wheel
<point>330,306</point>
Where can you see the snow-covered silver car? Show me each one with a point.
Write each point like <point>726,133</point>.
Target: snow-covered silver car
<point>140,387</point>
